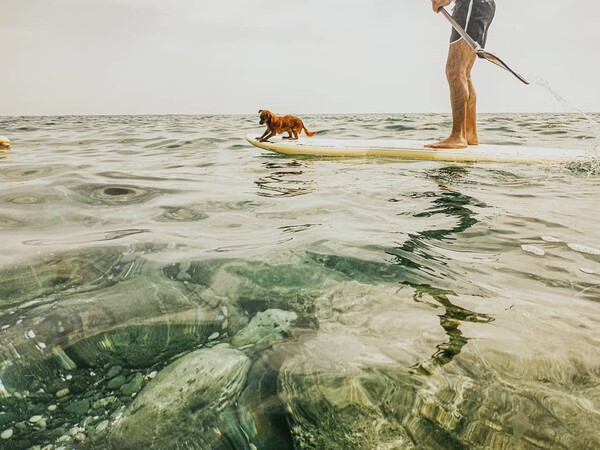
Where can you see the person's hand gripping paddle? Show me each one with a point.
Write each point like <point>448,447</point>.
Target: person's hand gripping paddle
<point>481,53</point>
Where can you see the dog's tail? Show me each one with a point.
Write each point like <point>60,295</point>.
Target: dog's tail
<point>308,133</point>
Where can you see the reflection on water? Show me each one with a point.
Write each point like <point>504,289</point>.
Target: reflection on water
<point>162,287</point>
<point>450,321</point>
<point>285,179</point>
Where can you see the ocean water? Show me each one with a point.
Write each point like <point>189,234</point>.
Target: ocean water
<point>165,285</point>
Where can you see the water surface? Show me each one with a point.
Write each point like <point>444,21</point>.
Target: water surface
<point>165,285</point>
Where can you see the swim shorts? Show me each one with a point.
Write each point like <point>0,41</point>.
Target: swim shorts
<point>475,16</point>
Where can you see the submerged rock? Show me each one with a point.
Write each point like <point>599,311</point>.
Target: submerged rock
<point>254,286</point>
<point>189,401</point>
<point>141,346</point>
<point>134,385</point>
<point>262,414</point>
<point>116,382</point>
<point>78,408</point>
<point>333,401</point>
<point>84,270</point>
<point>62,393</point>
<point>135,324</point>
<point>266,329</point>
<point>113,372</point>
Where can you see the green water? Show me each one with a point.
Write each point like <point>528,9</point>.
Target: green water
<point>165,285</point>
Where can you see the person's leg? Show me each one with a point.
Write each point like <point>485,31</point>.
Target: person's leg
<point>461,58</point>
<point>472,137</point>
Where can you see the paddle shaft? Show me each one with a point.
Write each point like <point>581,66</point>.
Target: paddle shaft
<point>468,39</point>
<point>481,53</point>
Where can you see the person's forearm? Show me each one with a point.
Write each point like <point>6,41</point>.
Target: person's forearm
<point>438,4</point>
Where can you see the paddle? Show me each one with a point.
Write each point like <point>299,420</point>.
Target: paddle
<point>475,46</point>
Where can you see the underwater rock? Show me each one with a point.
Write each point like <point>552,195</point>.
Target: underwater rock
<point>82,271</point>
<point>135,324</point>
<point>35,419</point>
<point>367,380</point>
<point>116,383</point>
<point>262,414</point>
<point>134,385</point>
<point>188,401</point>
<point>113,372</point>
<point>254,286</point>
<point>143,346</point>
<point>102,426</point>
<point>333,399</point>
<point>62,393</point>
<point>265,329</point>
<point>78,408</point>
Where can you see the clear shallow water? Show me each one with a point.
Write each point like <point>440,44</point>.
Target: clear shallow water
<point>191,291</point>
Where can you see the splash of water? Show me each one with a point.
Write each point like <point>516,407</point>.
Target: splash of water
<point>569,107</point>
<point>592,165</point>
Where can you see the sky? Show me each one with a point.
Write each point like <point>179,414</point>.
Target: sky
<point>314,56</point>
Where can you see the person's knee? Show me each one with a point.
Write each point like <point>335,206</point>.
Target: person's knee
<point>456,73</point>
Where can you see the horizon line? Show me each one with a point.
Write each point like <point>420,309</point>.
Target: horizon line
<point>302,113</point>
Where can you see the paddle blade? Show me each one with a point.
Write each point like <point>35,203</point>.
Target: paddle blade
<point>494,59</point>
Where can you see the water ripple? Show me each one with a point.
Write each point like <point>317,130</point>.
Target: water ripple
<point>297,302</point>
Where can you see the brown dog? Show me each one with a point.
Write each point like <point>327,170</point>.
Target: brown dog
<point>275,125</point>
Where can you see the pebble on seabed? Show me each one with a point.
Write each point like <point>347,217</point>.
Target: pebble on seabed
<point>63,393</point>
<point>7,434</point>
<point>102,426</point>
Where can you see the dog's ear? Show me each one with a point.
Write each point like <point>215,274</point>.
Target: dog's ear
<point>260,111</point>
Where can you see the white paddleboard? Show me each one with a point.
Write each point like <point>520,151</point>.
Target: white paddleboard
<point>414,150</point>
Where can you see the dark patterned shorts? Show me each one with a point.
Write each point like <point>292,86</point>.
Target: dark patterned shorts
<point>475,16</point>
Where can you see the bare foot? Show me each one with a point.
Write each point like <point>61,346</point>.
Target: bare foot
<point>450,143</point>
<point>473,140</point>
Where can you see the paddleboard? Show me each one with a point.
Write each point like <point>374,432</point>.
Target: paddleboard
<point>322,147</point>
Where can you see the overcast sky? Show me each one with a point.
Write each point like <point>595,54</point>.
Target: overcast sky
<point>311,56</point>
